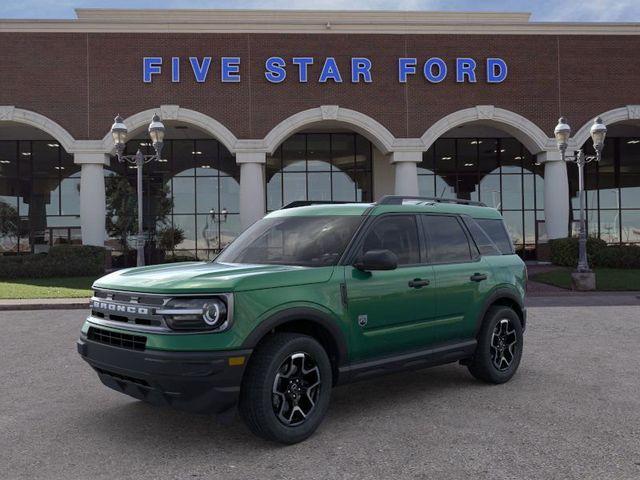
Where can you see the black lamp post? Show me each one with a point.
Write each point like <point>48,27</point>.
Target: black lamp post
<point>156,132</point>
<point>562,133</point>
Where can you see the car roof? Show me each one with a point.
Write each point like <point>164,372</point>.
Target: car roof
<point>379,208</point>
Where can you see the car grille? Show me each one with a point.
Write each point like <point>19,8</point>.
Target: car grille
<point>136,311</point>
<point>117,339</point>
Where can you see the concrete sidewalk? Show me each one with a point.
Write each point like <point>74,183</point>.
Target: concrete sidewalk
<point>44,304</point>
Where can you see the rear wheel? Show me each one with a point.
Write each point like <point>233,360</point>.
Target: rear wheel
<point>286,390</point>
<point>499,349</point>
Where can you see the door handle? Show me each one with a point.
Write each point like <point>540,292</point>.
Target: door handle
<point>418,283</point>
<point>478,277</point>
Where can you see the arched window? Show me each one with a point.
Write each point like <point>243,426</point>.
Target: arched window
<point>202,179</point>
<point>39,196</point>
<point>320,166</point>
<point>497,171</point>
<point>612,188</point>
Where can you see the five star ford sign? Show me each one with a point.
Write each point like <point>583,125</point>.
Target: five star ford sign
<point>361,69</point>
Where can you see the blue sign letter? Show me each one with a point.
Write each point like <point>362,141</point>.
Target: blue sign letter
<point>275,69</point>
<point>150,66</point>
<point>330,71</point>
<point>360,66</point>
<point>428,70</point>
<point>406,66</point>
<point>303,65</point>
<point>465,67</point>
<point>230,69</point>
<point>496,70</point>
<point>175,69</point>
<point>200,71</point>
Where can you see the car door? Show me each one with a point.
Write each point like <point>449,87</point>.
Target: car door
<point>462,276</point>
<point>390,311</point>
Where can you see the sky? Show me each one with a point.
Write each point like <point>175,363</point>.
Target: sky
<point>542,10</point>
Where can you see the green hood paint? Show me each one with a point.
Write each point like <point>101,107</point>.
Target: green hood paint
<point>207,277</point>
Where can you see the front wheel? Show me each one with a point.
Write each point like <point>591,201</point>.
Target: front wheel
<point>286,389</point>
<point>499,349</point>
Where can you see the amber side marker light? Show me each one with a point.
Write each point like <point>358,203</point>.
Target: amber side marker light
<point>236,361</point>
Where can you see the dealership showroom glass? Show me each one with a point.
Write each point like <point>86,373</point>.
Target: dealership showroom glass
<point>264,108</point>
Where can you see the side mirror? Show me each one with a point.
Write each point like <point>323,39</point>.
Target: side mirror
<point>377,260</point>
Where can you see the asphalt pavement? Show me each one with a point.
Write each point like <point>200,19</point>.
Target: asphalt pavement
<point>572,411</point>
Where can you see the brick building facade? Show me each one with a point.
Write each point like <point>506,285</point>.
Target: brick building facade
<point>63,81</point>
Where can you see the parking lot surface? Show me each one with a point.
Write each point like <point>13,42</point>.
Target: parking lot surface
<point>572,411</point>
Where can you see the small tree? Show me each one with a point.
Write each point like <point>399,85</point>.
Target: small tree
<point>122,209</point>
<point>9,221</point>
<point>169,237</point>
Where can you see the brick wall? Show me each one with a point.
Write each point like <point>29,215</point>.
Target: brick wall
<point>82,80</point>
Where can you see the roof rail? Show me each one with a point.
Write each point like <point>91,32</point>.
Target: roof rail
<point>399,199</point>
<point>306,203</point>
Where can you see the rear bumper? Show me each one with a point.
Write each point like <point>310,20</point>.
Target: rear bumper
<point>201,382</point>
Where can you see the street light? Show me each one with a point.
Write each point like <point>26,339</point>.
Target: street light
<point>210,230</point>
<point>562,133</point>
<point>119,133</point>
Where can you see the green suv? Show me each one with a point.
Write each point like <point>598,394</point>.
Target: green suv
<point>308,298</point>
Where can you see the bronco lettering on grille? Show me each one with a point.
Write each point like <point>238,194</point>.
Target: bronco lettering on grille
<point>114,307</point>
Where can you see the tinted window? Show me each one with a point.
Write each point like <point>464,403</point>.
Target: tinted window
<point>485,245</point>
<point>398,234</point>
<point>447,241</point>
<point>498,233</point>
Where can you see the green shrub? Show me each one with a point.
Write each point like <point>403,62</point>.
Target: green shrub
<point>618,256</point>
<point>564,251</point>
<point>61,261</point>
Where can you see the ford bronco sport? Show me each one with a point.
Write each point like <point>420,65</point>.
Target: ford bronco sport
<point>308,298</point>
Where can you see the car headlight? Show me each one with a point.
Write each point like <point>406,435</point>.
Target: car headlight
<point>208,314</point>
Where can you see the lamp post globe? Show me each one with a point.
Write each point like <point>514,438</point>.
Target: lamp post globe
<point>562,133</point>
<point>598,133</point>
<point>119,133</point>
<point>156,132</point>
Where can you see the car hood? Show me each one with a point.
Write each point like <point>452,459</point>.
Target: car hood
<point>207,277</point>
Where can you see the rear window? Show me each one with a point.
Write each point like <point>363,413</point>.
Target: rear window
<point>485,245</point>
<point>494,227</point>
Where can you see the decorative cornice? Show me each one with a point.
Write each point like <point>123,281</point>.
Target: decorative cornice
<point>297,21</point>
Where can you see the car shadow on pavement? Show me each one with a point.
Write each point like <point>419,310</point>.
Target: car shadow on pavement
<point>136,425</point>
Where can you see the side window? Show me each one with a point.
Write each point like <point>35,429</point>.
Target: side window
<point>485,245</point>
<point>447,241</point>
<point>498,233</point>
<point>396,233</point>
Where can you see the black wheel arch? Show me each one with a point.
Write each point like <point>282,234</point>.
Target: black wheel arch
<point>309,321</point>
<point>508,298</point>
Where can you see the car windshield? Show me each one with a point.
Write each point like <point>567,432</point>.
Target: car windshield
<point>312,241</point>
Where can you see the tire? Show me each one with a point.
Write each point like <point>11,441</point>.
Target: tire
<point>279,398</point>
<point>500,344</point>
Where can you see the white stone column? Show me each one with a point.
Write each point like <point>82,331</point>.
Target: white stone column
<point>556,194</point>
<point>92,197</point>
<point>252,187</point>
<point>406,166</point>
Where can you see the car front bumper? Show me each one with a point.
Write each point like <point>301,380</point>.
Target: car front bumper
<point>201,382</point>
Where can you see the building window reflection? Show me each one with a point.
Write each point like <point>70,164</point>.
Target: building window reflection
<point>320,166</point>
<point>39,196</point>
<point>203,180</point>
<point>612,192</point>
<point>497,171</point>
